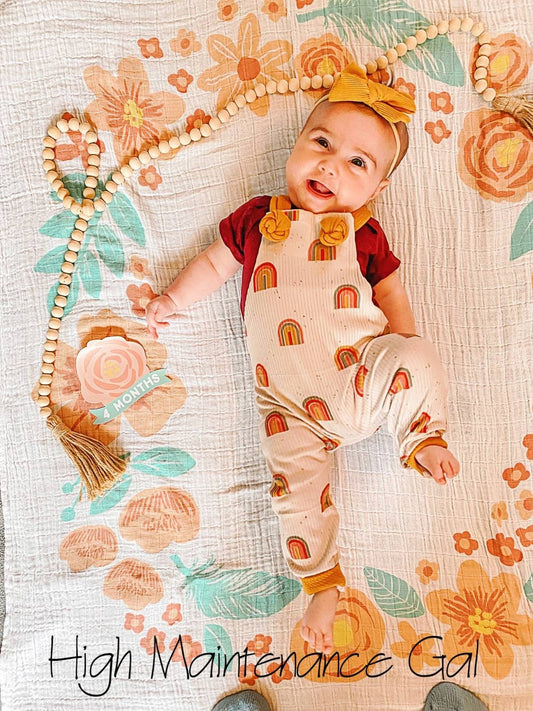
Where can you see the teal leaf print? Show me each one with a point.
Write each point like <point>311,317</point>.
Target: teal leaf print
<point>126,218</point>
<point>528,589</point>
<point>393,595</point>
<point>75,184</point>
<point>163,461</point>
<point>59,226</point>
<point>112,497</point>
<point>236,594</point>
<point>89,271</point>
<point>71,298</point>
<point>52,261</point>
<point>109,248</point>
<point>385,24</point>
<point>522,237</point>
<point>216,636</point>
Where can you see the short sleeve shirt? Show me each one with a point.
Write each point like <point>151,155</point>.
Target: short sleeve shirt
<point>240,233</point>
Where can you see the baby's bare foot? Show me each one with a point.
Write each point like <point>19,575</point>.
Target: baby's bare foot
<point>439,462</point>
<point>317,623</point>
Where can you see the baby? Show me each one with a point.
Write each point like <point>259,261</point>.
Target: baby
<point>330,331</point>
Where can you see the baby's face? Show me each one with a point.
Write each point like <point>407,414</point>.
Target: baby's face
<point>340,159</point>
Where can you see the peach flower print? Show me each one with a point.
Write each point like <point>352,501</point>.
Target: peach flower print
<point>185,43</point>
<point>302,3</point>
<point>525,535</point>
<point>509,62</point>
<point>134,582</point>
<point>248,676</point>
<point>172,614</point>
<point>427,571</point>
<point>242,64</point>
<point>408,87</point>
<point>196,119</point>
<point>135,623</point>
<point>260,644</point>
<point>89,546</point>
<point>78,146</point>
<point>140,296</point>
<point>150,178</point>
<point>275,9</point>
<point>139,267</point>
<point>504,549</point>
<point>419,653</point>
<point>528,444</point>
<point>441,102</point>
<point>126,107</point>
<point>499,512</point>
<point>191,649</point>
<point>227,9</point>
<point>321,55</point>
<point>277,675</point>
<point>495,156</point>
<point>181,80</point>
<point>484,612</point>
<point>437,130</point>
<point>464,543</point>
<point>514,475</point>
<point>524,505</point>
<point>148,642</point>
<point>150,48</point>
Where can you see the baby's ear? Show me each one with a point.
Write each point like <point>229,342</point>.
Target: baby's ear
<point>380,188</point>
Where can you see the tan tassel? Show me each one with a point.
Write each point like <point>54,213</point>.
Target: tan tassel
<point>99,468</point>
<point>520,107</point>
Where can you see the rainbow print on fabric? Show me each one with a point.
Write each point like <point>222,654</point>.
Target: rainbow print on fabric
<point>290,333</point>
<point>275,423</point>
<point>330,444</point>
<point>421,423</point>
<point>346,297</point>
<point>261,375</point>
<point>317,408</point>
<point>293,215</point>
<point>346,356</point>
<point>319,252</point>
<point>402,381</point>
<point>298,548</point>
<point>280,486</point>
<point>325,499</point>
<point>265,277</point>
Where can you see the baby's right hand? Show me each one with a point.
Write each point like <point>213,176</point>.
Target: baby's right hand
<point>157,310</point>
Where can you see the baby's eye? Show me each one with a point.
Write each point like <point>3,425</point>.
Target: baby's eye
<point>322,142</point>
<point>359,162</point>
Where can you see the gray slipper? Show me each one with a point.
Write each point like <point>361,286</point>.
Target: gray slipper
<point>450,697</point>
<point>247,700</point>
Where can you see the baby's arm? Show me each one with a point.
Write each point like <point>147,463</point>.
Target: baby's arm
<point>203,275</point>
<point>393,301</point>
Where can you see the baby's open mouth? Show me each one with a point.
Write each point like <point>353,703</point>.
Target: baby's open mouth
<point>318,189</point>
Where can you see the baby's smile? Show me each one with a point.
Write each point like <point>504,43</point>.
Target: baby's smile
<point>319,189</point>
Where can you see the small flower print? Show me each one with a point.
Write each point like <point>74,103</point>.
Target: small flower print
<point>78,147</point>
<point>259,645</point>
<point>528,444</point>
<point>275,9</point>
<point>150,178</point>
<point>441,102</point>
<point>406,86</point>
<point>276,677</point>
<point>191,649</point>
<point>181,80</point>
<point>196,119</point>
<point>419,653</point>
<point>427,571</point>
<point>464,543</point>
<point>248,676</point>
<point>321,55</point>
<point>185,43</point>
<point>139,267</point>
<point>525,535</point>
<point>150,48</point>
<point>499,512</point>
<point>437,130</point>
<point>140,296</point>
<point>148,641</point>
<point>514,475</point>
<point>503,548</point>
<point>509,62</point>
<point>135,623</point>
<point>302,3</point>
<point>227,10</point>
<point>172,614</point>
<point>525,504</point>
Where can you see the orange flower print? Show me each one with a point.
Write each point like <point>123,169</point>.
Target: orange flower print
<point>181,80</point>
<point>302,3</point>
<point>150,48</point>
<point>464,543</point>
<point>150,178</point>
<point>427,571</point>
<point>419,653</point>
<point>126,107</point>
<point>321,55</point>
<point>185,43</point>
<point>172,614</point>
<point>139,267</point>
<point>406,86</point>
<point>148,642</point>
<point>437,130</point>
<point>509,62</point>
<point>528,444</point>
<point>242,64</point>
<point>514,475</point>
<point>275,9</point>
<point>499,512</point>
<point>441,102</point>
<point>524,505</point>
<point>259,645</point>
<point>278,676</point>
<point>247,676</point>
<point>495,156</point>
<point>140,296</point>
<point>77,148</point>
<point>134,582</point>
<point>483,613</point>
<point>197,119</point>
<point>89,546</point>
<point>504,549</point>
<point>525,535</point>
<point>135,623</point>
<point>191,649</point>
<point>227,9</point>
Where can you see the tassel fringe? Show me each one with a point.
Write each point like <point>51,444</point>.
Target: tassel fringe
<point>520,107</point>
<point>99,468</point>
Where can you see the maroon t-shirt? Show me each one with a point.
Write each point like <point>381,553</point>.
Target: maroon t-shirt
<point>240,233</point>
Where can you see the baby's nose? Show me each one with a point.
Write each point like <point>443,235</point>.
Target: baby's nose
<point>326,167</point>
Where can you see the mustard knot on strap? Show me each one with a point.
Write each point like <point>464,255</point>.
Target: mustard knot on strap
<point>276,225</point>
<point>333,230</point>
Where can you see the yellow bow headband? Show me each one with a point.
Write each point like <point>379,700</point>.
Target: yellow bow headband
<point>394,106</point>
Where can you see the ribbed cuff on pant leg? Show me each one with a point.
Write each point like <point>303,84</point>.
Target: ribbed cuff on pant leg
<point>411,461</point>
<point>322,581</point>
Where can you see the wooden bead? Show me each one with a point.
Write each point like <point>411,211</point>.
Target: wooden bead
<point>481,85</point>
<point>99,205</point>
<point>135,163</point>
<point>184,138</point>
<point>51,176</point>
<point>49,142</point>
<point>93,160</point>
<point>371,67</point>
<point>117,177</point>
<point>466,24</point>
<point>260,89</point>
<point>240,100</point>
<point>195,134</point>
<point>271,87</point>
<point>45,412</point>
<point>250,96</point>
<point>68,201</point>
<point>392,56</point>
<point>78,235</point>
<point>44,390</point>
<point>52,335</point>
<point>60,301</point>
<point>401,48</point>
<point>111,187</point>
<point>64,277</point>
<point>294,84</point>
<point>485,38</point>
<point>93,149</point>
<point>74,246</point>
<point>432,31</point>
<point>62,125</point>
<point>327,81</point>
<point>85,127</point>
<point>57,311</point>
<point>75,208</point>
<point>91,182</point>
<point>382,62</point>
<point>478,29</point>
<point>411,42</point>
<point>73,124</point>
<point>164,147</point>
<point>154,152</point>
<point>106,196</point>
<point>174,142</point>
<point>62,193</point>
<point>92,171</point>
<point>43,401</point>
<point>48,154</point>
<point>232,108</point>
<point>489,94</point>
<point>54,323</point>
<point>144,157</point>
<point>91,136</point>
<point>480,73</point>
<point>206,130</point>
<point>67,268</point>
<point>54,132</point>
<point>57,184</point>
<point>126,170</point>
<point>421,36</point>
<point>316,81</point>
<point>89,194</point>
<point>87,207</point>
<point>63,290</point>
<point>481,61</point>
<point>305,82</point>
<point>215,123</point>
<point>50,346</point>
<point>283,86</point>
<point>223,116</point>
<point>443,27</point>
<point>49,165</point>
<point>45,379</point>
<point>485,50</point>
<point>455,24</point>
<point>47,368</point>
